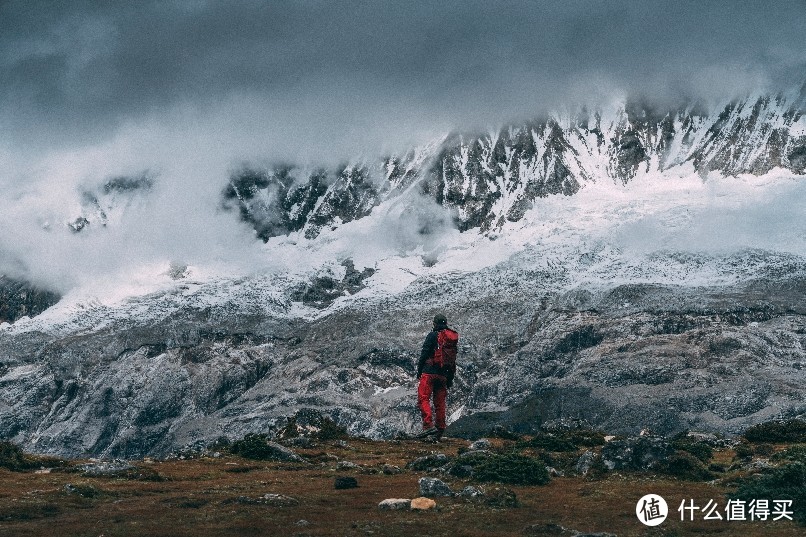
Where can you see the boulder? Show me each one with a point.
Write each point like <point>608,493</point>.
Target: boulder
<point>394,504</point>
<point>390,469</point>
<point>585,462</point>
<point>428,462</point>
<point>481,443</point>
<point>430,486</point>
<point>347,465</point>
<point>500,497</point>
<point>106,468</point>
<point>471,492</point>
<point>345,483</point>
<point>636,453</point>
<point>279,500</point>
<point>422,504</point>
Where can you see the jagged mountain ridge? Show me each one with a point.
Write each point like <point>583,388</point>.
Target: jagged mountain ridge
<point>491,179</point>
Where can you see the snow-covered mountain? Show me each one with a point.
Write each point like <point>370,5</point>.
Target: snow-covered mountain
<point>492,179</point>
<point>631,267</point>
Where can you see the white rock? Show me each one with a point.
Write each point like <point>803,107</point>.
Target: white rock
<point>394,504</point>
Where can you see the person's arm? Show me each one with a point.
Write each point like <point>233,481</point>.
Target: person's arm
<point>450,374</point>
<point>429,346</point>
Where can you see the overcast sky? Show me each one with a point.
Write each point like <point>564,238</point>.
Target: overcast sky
<point>267,77</point>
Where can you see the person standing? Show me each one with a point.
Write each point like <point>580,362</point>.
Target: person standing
<point>435,371</point>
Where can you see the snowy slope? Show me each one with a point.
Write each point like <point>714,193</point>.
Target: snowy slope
<point>609,263</point>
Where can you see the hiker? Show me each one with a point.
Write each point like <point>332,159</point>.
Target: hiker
<point>435,371</point>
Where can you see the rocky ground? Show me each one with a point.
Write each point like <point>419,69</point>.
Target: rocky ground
<point>566,480</point>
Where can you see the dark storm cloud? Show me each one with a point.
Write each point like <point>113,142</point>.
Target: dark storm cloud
<point>74,72</point>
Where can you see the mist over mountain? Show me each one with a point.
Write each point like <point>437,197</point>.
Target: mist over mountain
<point>214,216</point>
<point>627,267</point>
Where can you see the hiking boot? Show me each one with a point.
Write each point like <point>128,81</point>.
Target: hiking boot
<point>428,432</point>
<point>438,435</point>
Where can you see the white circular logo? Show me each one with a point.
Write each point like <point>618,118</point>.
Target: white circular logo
<point>651,510</point>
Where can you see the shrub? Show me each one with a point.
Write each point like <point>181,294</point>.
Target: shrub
<point>743,451</point>
<point>794,453</point>
<point>321,427</point>
<point>701,450</point>
<point>253,446</point>
<point>330,430</point>
<point>550,442</point>
<point>513,469</point>
<point>13,458</point>
<point>258,447</point>
<point>793,430</point>
<point>570,440</point>
<point>783,483</point>
<point>684,465</point>
<point>500,497</point>
<point>765,450</point>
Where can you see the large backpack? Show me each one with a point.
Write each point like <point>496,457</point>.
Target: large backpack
<point>445,355</point>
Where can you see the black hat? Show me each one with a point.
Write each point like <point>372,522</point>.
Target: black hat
<point>440,320</point>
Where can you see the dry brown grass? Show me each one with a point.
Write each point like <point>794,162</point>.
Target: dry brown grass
<point>200,498</point>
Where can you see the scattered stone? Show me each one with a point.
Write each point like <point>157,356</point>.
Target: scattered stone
<point>473,457</point>
<point>304,442</point>
<point>460,470</point>
<point>106,468</point>
<point>343,482</point>
<point>636,453</point>
<point>257,447</point>
<point>429,462</point>
<point>609,437</point>
<point>85,491</point>
<point>279,500</point>
<point>553,472</point>
<point>499,431</point>
<point>501,497</point>
<point>390,469</point>
<point>480,444</point>
<point>566,424</point>
<point>759,464</point>
<point>394,504</point>
<point>347,465</point>
<point>430,486</point>
<point>709,438</point>
<point>302,522</point>
<point>585,462</point>
<point>422,504</point>
<point>556,529</point>
<point>272,500</point>
<point>282,453</point>
<point>548,529</point>
<point>471,492</point>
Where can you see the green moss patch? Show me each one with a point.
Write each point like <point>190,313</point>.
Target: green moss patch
<point>512,469</point>
<point>783,483</point>
<point>777,431</point>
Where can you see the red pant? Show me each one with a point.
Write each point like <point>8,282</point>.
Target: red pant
<point>436,385</point>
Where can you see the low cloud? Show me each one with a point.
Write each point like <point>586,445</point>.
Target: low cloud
<point>188,90</point>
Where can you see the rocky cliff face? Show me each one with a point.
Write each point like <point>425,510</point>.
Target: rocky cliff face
<point>19,299</point>
<point>164,371</point>
<point>489,180</point>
